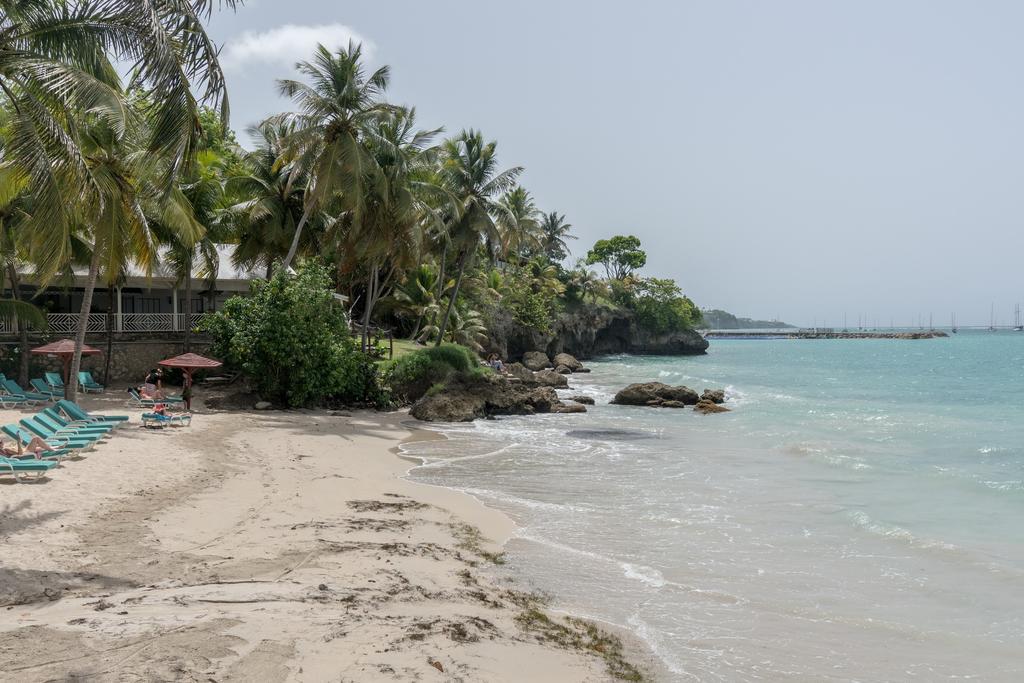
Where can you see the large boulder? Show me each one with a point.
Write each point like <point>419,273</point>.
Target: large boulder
<point>563,370</point>
<point>585,400</point>
<point>569,408</point>
<point>708,407</point>
<point>467,399</point>
<point>550,378</point>
<point>568,361</point>
<point>521,372</point>
<point>654,394</point>
<point>713,395</point>
<point>536,360</point>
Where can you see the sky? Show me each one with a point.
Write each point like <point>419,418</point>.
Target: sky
<point>798,160</point>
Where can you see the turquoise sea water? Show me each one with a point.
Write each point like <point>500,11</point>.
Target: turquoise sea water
<point>858,515</point>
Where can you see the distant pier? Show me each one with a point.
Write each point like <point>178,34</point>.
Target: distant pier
<point>820,333</point>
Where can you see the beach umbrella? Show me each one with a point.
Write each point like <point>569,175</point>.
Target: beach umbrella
<point>65,349</point>
<point>189,362</point>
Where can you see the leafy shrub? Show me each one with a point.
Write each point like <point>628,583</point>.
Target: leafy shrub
<point>661,307</point>
<point>414,374</point>
<point>291,338</point>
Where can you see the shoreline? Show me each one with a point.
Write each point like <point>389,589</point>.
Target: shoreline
<point>637,650</point>
<point>269,546</point>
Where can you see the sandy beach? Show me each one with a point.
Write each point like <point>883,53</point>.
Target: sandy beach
<point>276,546</point>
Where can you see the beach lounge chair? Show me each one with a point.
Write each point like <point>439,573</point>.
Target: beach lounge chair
<point>25,438</point>
<point>41,387</point>
<point>76,413</point>
<point>88,383</point>
<point>172,402</point>
<point>52,417</point>
<point>55,381</point>
<point>50,436</point>
<point>14,389</point>
<point>158,421</point>
<point>19,468</point>
<point>8,401</point>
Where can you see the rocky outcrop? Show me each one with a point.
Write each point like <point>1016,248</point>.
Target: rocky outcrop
<point>655,394</point>
<point>550,378</point>
<point>713,395</point>
<point>567,361</point>
<point>562,370</point>
<point>569,408</point>
<point>708,407</point>
<point>589,330</point>
<point>464,400</point>
<point>536,360</point>
<point>585,400</point>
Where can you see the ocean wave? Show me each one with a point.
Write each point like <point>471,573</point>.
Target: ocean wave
<point>864,521</point>
<point>648,575</point>
<point>523,502</point>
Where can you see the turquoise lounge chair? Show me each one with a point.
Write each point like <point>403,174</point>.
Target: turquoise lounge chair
<point>8,401</point>
<point>55,381</point>
<point>88,383</point>
<point>43,388</point>
<point>25,438</point>
<point>50,435</point>
<point>62,420</point>
<point>14,389</point>
<point>172,402</point>
<point>158,421</point>
<point>22,468</point>
<point>77,413</point>
<point>60,426</point>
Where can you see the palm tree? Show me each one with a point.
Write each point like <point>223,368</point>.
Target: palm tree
<point>128,179</point>
<point>387,236</point>
<point>58,62</point>
<point>270,193</point>
<point>335,110</point>
<point>415,296</point>
<point>518,224</point>
<point>555,231</point>
<point>204,194</point>
<point>469,172</point>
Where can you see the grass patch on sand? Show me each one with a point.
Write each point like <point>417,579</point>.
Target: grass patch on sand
<point>471,540</point>
<point>577,634</point>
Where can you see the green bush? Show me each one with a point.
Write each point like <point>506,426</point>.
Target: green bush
<point>414,374</point>
<point>290,337</point>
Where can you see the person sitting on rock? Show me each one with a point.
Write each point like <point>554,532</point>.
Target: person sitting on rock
<point>495,363</point>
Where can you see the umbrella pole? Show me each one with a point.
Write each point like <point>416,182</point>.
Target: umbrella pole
<point>67,376</point>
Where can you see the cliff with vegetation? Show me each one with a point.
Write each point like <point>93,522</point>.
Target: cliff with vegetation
<point>716,319</point>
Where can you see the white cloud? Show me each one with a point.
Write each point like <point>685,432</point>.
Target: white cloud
<point>287,44</point>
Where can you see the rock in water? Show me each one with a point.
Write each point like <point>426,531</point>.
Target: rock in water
<point>671,404</point>
<point>569,408</point>
<point>654,393</point>
<point>263,405</point>
<point>467,399</point>
<point>568,361</point>
<point>585,400</point>
<point>563,370</point>
<point>550,378</point>
<point>713,395</point>
<point>708,407</point>
<point>536,360</point>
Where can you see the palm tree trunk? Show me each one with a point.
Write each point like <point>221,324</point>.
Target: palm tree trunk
<point>110,334</point>
<point>188,310</point>
<point>463,259</point>
<point>295,240</point>
<point>23,360</point>
<point>71,385</point>
<point>368,307</point>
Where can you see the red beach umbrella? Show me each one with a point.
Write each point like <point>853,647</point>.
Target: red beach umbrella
<point>189,362</point>
<point>65,348</point>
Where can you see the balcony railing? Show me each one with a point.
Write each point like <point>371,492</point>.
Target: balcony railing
<point>125,323</point>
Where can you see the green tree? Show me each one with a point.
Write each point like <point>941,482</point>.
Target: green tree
<point>519,229</point>
<point>620,256</point>
<point>336,108</point>
<point>291,338</point>
<point>469,172</point>
<point>267,191</point>
<point>661,307</point>
<point>555,233</point>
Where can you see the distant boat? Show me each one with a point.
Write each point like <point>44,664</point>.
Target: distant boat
<point>954,324</point>
<point>1017,327</point>
<point>992,319</point>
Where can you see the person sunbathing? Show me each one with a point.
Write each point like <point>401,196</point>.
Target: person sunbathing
<point>35,447</point>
